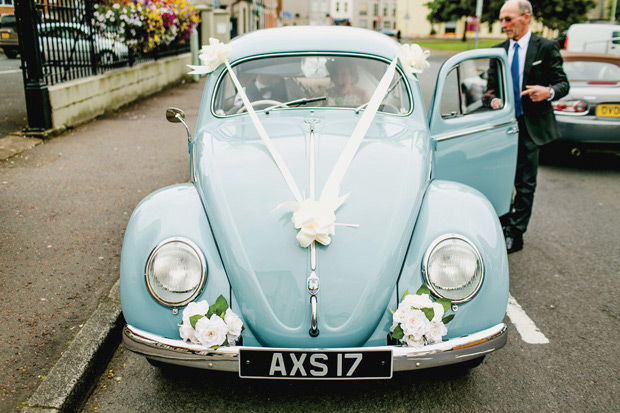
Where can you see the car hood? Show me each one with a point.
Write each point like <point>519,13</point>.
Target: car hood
<point>242,188</point>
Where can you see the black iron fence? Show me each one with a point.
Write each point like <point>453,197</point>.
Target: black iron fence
<point>65,40</point>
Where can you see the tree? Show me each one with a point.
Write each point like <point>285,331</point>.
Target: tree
<point>560,14</point>
<point>443,11</point>
<point>556,14</point>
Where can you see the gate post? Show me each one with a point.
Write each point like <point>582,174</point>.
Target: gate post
<point>38,105</point>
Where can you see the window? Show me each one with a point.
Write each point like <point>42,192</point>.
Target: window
<point>375,9</point>
<point>346,7</point>
<point>337,6</point>
<point>592,71</point>
<point>385,11</point>
<point>363,7</point>
<point>277,80</point>
<point>467,89</point>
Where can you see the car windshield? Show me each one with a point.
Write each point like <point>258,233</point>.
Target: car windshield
<point>278,83</point>
<point>592,71</point>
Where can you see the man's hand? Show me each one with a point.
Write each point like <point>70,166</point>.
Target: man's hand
<point>537,93</point>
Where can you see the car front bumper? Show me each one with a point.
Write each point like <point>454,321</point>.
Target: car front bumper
<point>182,353</point>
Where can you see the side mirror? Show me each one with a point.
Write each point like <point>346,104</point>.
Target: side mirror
<point>175,115</point>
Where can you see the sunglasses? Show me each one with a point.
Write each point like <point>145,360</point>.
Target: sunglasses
<point>509,19</point>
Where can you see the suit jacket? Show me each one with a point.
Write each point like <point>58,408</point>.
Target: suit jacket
<point>543,66</point>
<point>278,92</point>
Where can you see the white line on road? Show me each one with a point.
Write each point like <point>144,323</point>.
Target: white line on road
<point>6,72</point>
<point>524,325</point>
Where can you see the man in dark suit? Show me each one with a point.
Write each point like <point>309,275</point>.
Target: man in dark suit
<point>538,77</point>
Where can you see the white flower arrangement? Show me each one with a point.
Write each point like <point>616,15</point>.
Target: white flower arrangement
<point>419,320</point>
<point>211,326</point>
<point>413,58</point>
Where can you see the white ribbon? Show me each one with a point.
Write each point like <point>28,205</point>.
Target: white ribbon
<point>316,219</point>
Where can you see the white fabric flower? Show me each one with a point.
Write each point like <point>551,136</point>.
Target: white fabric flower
<point>211,57</point>
<point>234,325</point>
<point>436,331</point>
<point>195,308</point>
<point>413,341</point>
<point>416,324</point>
<point>418,301</point>
<point>188,333</point>
<point>413,58</point>
<point>314,219</point>
<point>438,309</point>
<point>211,331</point>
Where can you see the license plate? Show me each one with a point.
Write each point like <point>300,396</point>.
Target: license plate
<point>5,35</point>
<point>315,364</point>
<point>608,111</point>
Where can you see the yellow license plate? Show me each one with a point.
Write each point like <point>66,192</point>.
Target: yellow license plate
<point>5,35</point>
<point>608,111</point>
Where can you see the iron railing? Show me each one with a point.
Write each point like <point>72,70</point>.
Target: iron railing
<point>59,42</point>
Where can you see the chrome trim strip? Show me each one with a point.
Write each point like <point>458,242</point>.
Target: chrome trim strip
<point>473,130</point>
<point>182,353</point>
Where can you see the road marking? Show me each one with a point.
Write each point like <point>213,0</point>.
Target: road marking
<point>6,72</point>
<point>524,325</point>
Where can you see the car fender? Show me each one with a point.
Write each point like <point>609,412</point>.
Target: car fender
<point>453,208</point>
<point>174,211</point>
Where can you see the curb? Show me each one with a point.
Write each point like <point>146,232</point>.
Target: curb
<point>12,145</point>
<point>70,381</point>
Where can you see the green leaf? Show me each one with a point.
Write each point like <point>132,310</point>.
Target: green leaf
<point>406,294</point>
<point>219,307</point>
<point>447,318</point>
<point>445,303</point>
<point>194,319</point>
<point>429,313</point>
<point>398,333</point>
<point>392,311</point>
<point>423,290</point>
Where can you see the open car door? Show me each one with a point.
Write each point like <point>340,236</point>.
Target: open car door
<point>474,144</point>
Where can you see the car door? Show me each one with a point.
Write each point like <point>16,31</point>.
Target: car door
<point>472,143</point>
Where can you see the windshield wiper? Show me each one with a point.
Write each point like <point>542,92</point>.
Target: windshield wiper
<point>296,102</point>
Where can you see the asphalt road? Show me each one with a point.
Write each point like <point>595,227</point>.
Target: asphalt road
<point>13,114</point>
<point>566,282</point>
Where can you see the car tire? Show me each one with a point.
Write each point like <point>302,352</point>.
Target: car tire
<point>11,53</point>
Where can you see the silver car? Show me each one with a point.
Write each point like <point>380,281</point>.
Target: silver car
<point>589,116</point>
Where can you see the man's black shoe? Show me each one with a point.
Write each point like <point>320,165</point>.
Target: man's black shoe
<point>514,243</point>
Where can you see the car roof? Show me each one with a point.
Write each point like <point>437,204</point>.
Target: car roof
<point>590,57</point>
<point>313,39</point>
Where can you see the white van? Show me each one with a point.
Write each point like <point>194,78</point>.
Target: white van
<point>594,38</point>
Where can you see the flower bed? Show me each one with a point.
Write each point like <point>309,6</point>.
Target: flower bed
<point>145,25</point>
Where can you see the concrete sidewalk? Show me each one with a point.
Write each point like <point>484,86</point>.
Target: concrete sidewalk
<point>64,206</point>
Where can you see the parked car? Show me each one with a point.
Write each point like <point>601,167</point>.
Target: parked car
<point>224,273</point>
<point>9,41</point>
<point>589,116</point>
<point>594,38</point>
<point>70,42</point>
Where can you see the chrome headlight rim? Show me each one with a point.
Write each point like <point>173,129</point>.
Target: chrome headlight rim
<point>427,257</point>
<point>203,271</point>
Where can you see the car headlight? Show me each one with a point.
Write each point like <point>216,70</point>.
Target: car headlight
<point>175,272</point>
<point>453,268</point>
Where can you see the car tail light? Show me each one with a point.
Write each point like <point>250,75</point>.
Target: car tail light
<point>570,106</point>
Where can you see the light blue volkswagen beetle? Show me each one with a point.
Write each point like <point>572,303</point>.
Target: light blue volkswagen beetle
<point>331,228</point>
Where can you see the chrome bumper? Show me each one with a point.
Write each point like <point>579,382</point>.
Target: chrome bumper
<point>182,353</point>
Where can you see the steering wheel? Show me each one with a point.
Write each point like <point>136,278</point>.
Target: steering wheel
<point>258,103</point>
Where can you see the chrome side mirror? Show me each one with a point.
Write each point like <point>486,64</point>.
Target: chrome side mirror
<point>175,115</point>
